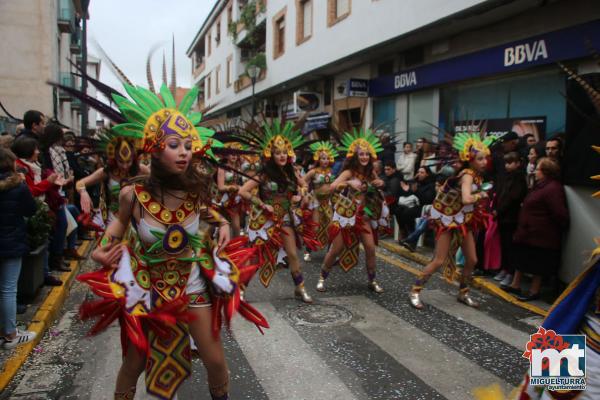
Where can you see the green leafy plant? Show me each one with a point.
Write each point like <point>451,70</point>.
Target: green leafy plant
<point>39,225</point>
<point>232,30</point>
<point>259,60</point>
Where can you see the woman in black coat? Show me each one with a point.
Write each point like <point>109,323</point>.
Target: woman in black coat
<point>16,203</point>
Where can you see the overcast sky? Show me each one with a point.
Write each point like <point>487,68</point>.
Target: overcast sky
<point>128,29</point>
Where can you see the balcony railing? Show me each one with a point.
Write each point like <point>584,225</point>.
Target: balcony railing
<point>76,42</point>
<point>66,16</point>
<point>66,79</point>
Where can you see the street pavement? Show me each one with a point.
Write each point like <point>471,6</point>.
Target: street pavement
<point>351,344</point>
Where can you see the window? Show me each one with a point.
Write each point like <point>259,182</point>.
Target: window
<point>208,87</point>
<point>218,33</point>
<point>217,80</point>
<point>209,44</point>
<point>229,70</point>
<point>303,20</point>
<point>279,33</point>
<point>337,10</point>
<point>229,14</point>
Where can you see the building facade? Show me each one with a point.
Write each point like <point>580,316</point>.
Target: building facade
<point>39,36</point>
<point>366,61</point>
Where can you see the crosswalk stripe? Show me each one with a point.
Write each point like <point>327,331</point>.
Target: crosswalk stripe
<point>417,350</point>
<point>281,356</point>
<point>447,303</point>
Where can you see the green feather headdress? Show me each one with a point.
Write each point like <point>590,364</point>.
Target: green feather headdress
<point>364,139</point>
<point>470,143</point>
<point>325,147</point>
<point>151,119</point>
<point>276,136</point>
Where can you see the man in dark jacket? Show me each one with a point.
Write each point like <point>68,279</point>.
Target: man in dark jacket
<point>35,123</point>
<point>392,180</point>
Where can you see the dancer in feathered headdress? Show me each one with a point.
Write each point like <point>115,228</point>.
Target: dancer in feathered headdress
<point>318,181</point>
<point>455,212</point>
<point>157,284</point>
<point>276,222</point>
<point>228,185</point>
<point>357,207</point>
<point>122,164</point>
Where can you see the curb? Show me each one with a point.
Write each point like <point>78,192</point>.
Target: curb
<point>43,318</point>
<point>478,282</point>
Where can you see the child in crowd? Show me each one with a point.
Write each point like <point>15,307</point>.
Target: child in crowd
<point>511,191</point>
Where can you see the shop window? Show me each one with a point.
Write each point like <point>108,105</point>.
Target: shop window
<point>384,114</point>
<point>420,114</point>
<point>538,94</point>
<point>279,34</point>
<point>304,15</point>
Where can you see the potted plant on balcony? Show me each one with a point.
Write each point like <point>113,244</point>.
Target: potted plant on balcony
<point>39,226</point>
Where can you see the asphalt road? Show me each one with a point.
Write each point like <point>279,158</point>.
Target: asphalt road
<point>351,344</point>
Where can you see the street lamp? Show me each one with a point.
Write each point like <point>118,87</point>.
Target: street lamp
<point>253,71</point>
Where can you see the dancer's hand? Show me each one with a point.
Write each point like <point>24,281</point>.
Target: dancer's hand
<point>356,184</point>
<point>296,199</point>
<point>86,201</point>
<point>268,208</point>
<point>224,236</point>
<point>378,183</point>
<point>108,255</point>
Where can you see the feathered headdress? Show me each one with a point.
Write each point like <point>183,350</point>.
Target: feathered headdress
<point>116,147</point>
<point>323,147</point>
<point>468,144</point>
<point>361,139</point>
<point>150,120</point>
<point>272,137</point>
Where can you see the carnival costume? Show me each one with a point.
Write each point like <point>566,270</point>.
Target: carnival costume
<point>319,200</point>
<point>265,230</point>
<point>449,214</point>
<point>229,201</point>
<point>351,208</point>
<point>116,148</point>
<point>154,284</point>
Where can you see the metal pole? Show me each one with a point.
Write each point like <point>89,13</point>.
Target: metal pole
<point>84,107</point>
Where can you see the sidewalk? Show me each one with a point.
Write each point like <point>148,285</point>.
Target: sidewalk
<point>39,317</point>
<point>421,257</point>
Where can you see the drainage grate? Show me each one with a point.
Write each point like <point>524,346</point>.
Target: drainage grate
<point>320,315</point>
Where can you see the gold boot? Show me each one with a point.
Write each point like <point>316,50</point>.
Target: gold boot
<point>374,286</point>
<point>415,299</point>
<point>463,297</point>
<point>300,293</point>
<point>321,284</point>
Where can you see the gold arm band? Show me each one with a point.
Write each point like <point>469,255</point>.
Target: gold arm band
<point>80,186</point>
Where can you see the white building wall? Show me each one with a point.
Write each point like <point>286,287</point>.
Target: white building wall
<point>370,23</point>
<point>28,51</point>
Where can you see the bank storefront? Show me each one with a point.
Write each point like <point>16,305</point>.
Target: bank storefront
<point>516,86</point>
